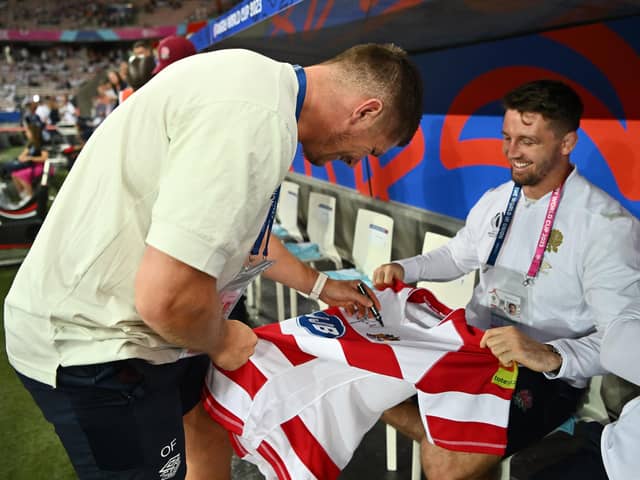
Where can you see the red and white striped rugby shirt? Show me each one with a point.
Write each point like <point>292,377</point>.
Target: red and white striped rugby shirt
<point>317,383</point>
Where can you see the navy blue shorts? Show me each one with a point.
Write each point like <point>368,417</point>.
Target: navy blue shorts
<point>123,419</point>
<point>538,406</point>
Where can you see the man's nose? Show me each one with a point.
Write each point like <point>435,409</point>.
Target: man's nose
<point>511,149</point>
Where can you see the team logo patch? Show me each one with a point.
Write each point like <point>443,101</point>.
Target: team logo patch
<point>506,378</point>
<point>383,337</point>
<point>164,53</point>
<point>495,224</point>
<point>555,240</point>
<point>170,468</point>
<point>323,325</point>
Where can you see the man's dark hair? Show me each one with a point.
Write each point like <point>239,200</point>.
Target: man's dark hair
<point>142,43</point>
<point>140,71</point>
<point>385,70</point>
<point>555,101</point>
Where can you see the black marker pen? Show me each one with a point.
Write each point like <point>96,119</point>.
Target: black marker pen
<point>374,310</point>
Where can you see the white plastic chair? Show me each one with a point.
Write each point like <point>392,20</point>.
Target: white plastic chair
<point>286,226</point>
<point>321,219</point>
<point>371,247</point>
<point>454,294</point>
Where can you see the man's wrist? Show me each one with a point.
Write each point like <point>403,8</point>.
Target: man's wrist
<point>558,355</point>
<point>315,292</point>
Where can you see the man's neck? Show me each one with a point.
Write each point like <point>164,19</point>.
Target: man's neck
<point>548,184</point>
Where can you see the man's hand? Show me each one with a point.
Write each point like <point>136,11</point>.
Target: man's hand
<point>238,344</point>
<point>344,293</point>
<point>509,345</point>
<point>386,274</point>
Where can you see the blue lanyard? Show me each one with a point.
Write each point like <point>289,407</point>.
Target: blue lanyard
<point>505,224</point>
<point>268,223</point>
<point>302,89</point>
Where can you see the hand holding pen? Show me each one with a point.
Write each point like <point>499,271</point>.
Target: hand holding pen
<point>374,311</point>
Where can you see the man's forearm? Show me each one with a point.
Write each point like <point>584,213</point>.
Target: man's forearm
<point>288,269</point>
<point>436,265</point>
<point>200,329</point>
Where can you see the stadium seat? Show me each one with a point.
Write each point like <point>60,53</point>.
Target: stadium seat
<point>455,293</point>
<point>371,247</point>
<point>321,218</point>
<point>286,225</point>
<point>285,228</point>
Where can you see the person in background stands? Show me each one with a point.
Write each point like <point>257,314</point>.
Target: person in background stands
<point>68,111</point>
<point>142,48</point>
<point>171,49</point>
<point>116,84</point>
<point>32,157</point>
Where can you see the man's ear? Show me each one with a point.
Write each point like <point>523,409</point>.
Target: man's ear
<point>367,110</point>
<point>569,142</point>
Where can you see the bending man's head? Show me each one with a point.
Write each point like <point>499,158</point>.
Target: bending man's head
<point>363,101</point>
<point>385,72</point>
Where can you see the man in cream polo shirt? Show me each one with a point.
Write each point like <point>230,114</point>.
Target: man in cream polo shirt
<point>157,216</point>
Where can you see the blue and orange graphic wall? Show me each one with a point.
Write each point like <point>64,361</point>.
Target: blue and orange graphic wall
<point>456,154</point>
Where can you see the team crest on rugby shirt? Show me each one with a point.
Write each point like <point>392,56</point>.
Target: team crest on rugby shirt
<point>383,337</point>
<point>322,324</point>
<point>555,240</point>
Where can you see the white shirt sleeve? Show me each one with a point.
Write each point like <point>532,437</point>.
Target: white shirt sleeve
<point>579,359</point>
<point>619,351</point>
<point>611,281</point>
<point>437,265</point>
<point>620,355</point>
<point>451,261</point>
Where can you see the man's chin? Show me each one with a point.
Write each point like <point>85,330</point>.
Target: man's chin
<point>522,179</point>
<point>318,162</point>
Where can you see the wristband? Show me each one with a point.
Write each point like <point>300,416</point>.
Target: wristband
<point>315,292</point>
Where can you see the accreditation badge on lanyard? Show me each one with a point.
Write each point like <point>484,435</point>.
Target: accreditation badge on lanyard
<point>232,291</point>
<point>509,291</point>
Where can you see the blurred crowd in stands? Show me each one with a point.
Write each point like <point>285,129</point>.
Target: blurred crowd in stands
<point>79,84</point>
<point>72,86</point>
<point>51,71</point>
<point>79,14</point>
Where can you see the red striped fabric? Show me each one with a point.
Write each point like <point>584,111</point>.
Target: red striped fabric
<point>220,414</point>
<point>471,362</point>
<point>374,357</point>
<point>309,450</point>
<point>271,456</point>
<point>286,343</point>
<point>248,377</point>
<point>241,452</point>
<point>426,297</point>
<point>467,436</point>
<point>449,354</point>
